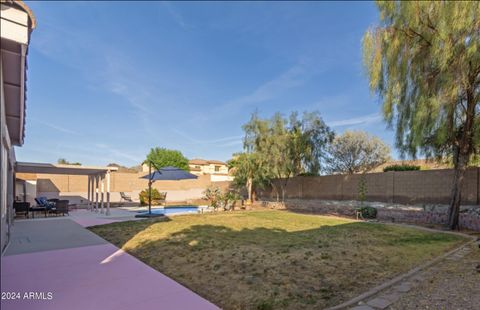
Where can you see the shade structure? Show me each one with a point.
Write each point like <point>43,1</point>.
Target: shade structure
<point>163,174</point>
<point>170,174</point>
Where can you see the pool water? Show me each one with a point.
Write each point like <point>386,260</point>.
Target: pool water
<point>174,210</point>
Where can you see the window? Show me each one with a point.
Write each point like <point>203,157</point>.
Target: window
<point>217,168</point>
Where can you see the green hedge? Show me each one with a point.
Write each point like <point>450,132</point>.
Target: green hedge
<point>401,168</point>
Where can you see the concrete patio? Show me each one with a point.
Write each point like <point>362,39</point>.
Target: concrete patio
<point>66,266</point>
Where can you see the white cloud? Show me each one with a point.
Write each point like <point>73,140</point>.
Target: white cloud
<point>56,127</point>
<point>116,153</point>
<point>175,14</point>
<point>295,76</point>
<point>225,141</point>
<point>361,120</point>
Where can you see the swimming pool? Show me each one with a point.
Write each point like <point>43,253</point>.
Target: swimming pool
<point>174,210</point>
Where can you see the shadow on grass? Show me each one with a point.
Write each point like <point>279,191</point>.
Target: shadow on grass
<point>282,265</point>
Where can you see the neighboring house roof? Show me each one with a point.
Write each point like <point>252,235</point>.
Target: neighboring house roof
<point>216,162</point>
<point>199,161</point>
<point>45,168</point>
<point>21,5</point>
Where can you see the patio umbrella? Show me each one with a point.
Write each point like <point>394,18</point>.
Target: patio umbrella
<point>165,174</point>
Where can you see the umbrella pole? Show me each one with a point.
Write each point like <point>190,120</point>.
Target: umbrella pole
<point>150,187</point>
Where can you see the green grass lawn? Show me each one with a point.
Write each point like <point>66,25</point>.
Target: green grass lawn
<point>276,259</point>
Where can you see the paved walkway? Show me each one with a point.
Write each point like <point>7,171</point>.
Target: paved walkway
<point>58,264</point>
<point>88,218</point>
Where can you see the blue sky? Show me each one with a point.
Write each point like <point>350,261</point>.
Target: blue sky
<point>108,81</point>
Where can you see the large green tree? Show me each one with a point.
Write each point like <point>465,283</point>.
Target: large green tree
<point>423,59</point>
<point>283,148</point>
<point>162,157</point>
<point>356,152</point>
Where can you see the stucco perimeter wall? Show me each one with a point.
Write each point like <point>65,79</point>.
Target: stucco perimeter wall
<point>403,187</point>
<point>75,188</point>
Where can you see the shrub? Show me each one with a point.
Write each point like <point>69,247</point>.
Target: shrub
<point>214,195</point>
<point>219,199</point>
<point>401,168</point>
<point>230,200</point>
<point>368,212</point>
<point>157,197</point>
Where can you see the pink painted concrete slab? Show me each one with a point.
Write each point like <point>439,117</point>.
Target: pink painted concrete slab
<point>92,277</point>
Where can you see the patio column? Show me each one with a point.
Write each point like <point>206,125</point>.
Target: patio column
<point>89,204</point>
<point>102,188</point>
<point>92,192</point>
<point>96,193</point>
<point>108,192</point>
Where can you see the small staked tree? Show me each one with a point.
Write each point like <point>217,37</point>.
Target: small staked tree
<point>356,152</point>
<point>162,157</point>
<point>248,172</point>
<point>423,60</point>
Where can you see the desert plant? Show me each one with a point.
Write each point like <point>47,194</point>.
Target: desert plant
<point>214,195</point>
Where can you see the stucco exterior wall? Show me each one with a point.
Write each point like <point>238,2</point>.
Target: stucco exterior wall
<point>7,159</point>
<point>74,188</point>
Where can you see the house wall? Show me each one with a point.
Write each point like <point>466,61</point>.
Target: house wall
<point>14,24</point>
<point>210,169</point>
<point>7,158</point>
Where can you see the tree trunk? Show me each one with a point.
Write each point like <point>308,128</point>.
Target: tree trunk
<point>249,189</point>
<point>454,211</point>
<point>275,189</point>
<point>464,151</point>
<point>284,188</point>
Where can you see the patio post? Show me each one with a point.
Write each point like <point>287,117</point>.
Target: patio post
<point>108,192</point>
<point>96,192</point>
<point>88,192</point>
<point>92,189</point>
<point>102,188</point>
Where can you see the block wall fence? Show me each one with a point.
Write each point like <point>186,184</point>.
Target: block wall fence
<point>402,187</point>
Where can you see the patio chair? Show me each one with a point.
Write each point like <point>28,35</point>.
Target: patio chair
<point>21,208</point>
<point>125,197</point>
<point>61,207</point>
<point>44,203</point>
